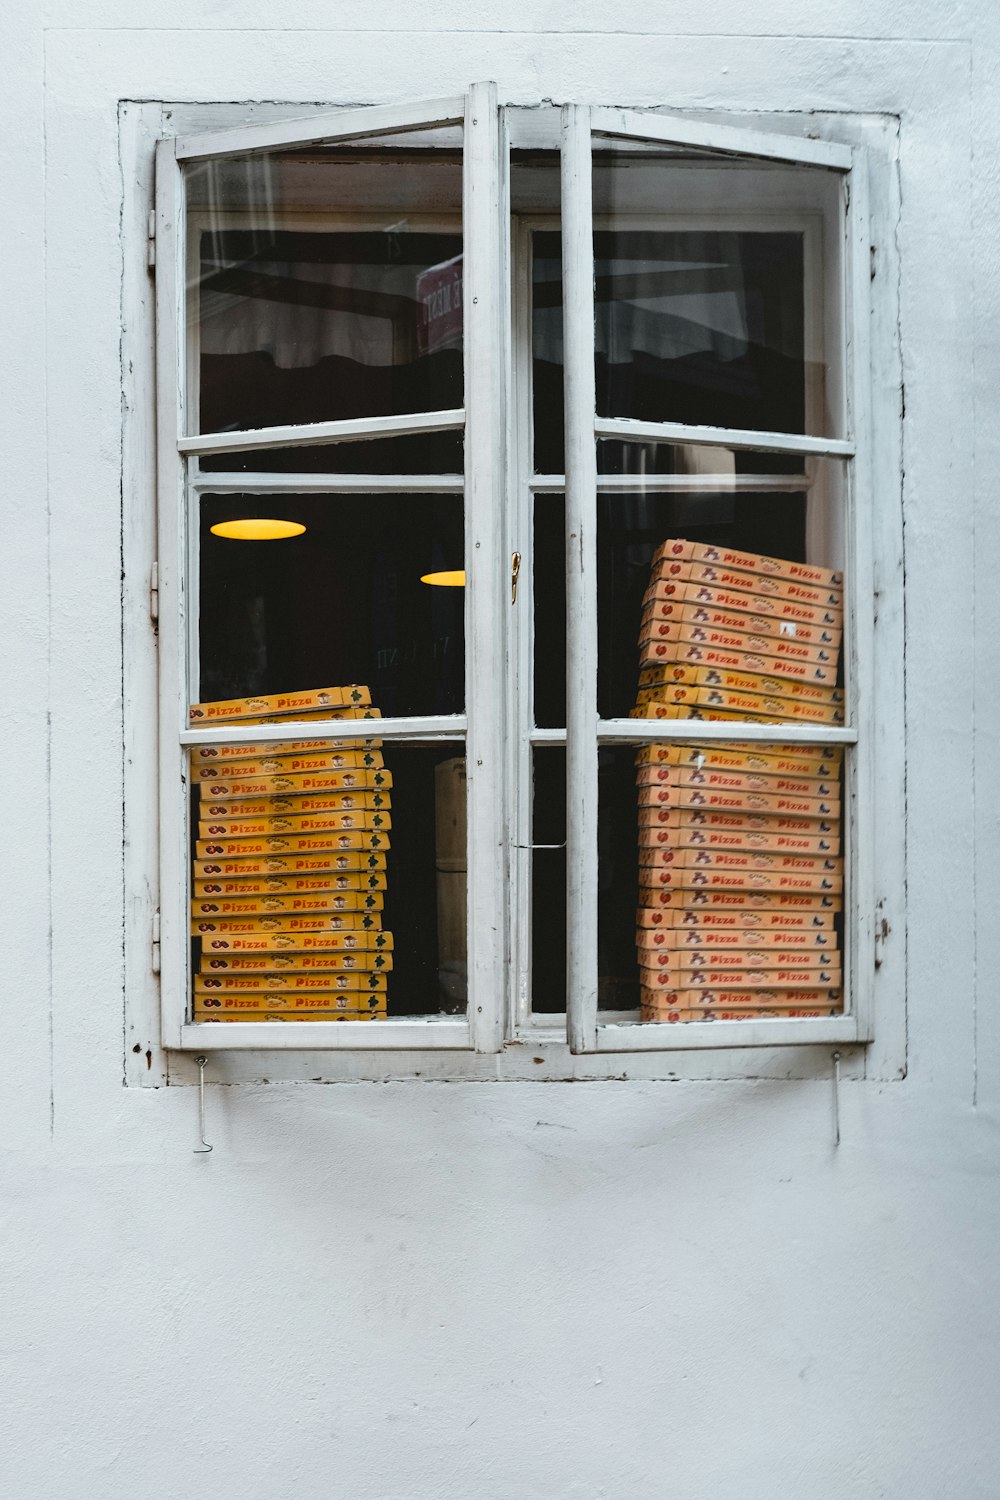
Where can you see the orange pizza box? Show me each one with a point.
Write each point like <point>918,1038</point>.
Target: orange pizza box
<point>754,781</point>
<point>770,760</point>
<point>289,885</point>
<point>278,763</point>
<point>355,922</point>
<point>354,941</point>
<point>740,981</point>
<point>291,843</point>
<point>679,549</point>
<point>739,859</point>
<point>739,682</point>
<point>666,657</point>
<point>235,788</point>
<point>286,904</point>
<point>654,821</point>
<point>661,794</point>
<point>830,617</point>
<point>360,980</point>
<point>690,964</point>
<point>223,754</point>
<point>659,636</point>
<point>751,998</point>
<point>326,861</point>
<point>738,838</point>
<point>295,806</point>
<point>759,705</point>
<point>745,624</point>
<point>723,939</point>
<point>747,583</point>
<point>334,823</point>
<point>309,719</point>
<point>731,912</point>
<point>284,704</point>
<point>297,963</point>
<point>660,1013</point>
<point>657,878</point>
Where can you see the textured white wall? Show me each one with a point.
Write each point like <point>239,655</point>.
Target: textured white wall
<point>519,1291</point>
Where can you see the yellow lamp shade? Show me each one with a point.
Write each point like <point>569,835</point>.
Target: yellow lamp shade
<point>257,529</point>
<point>452,579</point>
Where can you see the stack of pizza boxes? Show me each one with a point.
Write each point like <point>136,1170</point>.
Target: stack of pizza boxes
<point>741,864</point>
<point>288,868</point>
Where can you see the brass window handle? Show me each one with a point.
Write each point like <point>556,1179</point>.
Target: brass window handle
<point>515,568</point>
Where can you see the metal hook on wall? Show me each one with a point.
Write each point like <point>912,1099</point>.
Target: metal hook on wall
<point>204,1147</point>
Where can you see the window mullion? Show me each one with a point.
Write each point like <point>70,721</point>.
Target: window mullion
<point>486,343</point>
<point>581,579</point>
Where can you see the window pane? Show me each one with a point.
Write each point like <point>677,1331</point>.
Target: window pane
<point>343,601</point>
<point>726,573</point>
<point>722,881</point>
<point>549,594</point>
<point>426,453</point>
<point>328,284</point>
<point>328,878</point>
<point>548,879</point>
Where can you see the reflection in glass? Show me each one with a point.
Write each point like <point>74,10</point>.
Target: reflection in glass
<point>341,603</point>
<point>329,285</point>
<point>328,880</point>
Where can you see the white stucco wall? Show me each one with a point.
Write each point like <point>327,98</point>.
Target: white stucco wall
<point>509,1291</point>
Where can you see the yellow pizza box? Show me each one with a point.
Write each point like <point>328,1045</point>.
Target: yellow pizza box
<point>740,623</point>
<point>679,549</point>
<point>290,885</point>
<point>355,941</point>
<point>354,922</point>
<point>308,719</point>
<point>656,820</point>
<point>291,843</point>
<point>747,583</point>
<point>658,633</point>
<point>830,617</point>
<point>293,963</point>
<point>293,806</point>
<point>235,788</point>
<point>344,1002</point>
<point>332,823</point>
<point>360,980</point>
<point>657,1014</point>
<point>746,999</point>
<point>742,980</point>
<point>225,1018</point>
<point>223,754</point>
<point>658,878</point>
<point>761,706</point>
<point>737,838</point>
<point>307,701</point>
<point>667,657</point>
<point>733,912</point>
<point>286,904</point>
<point>670,673</point>
<point>323,863</point>
<point>278,763</point>
<point>719,715</point>
<point>653,940</point>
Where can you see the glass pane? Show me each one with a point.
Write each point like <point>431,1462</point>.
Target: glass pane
<point>327,284</point>
<point>548,879</point>
<point>328,879</point>
<point>341,602</point>
<point>722,595</point>
<point>721,881</point>
<point>549,593</point>
<point>427,453</point>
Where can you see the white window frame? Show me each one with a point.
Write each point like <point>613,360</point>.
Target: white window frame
<point>495,1022</point>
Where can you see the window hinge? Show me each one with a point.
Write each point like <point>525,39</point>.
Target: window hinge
<point>154,593</point>
<point>882,930</point>
<point>151,238</point>
<point>156,943</point>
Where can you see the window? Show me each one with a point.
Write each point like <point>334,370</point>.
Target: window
<point>484,364</point>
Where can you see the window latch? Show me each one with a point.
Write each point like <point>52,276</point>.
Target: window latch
<point>515,568</point>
